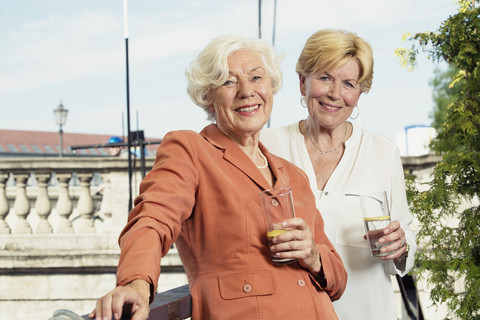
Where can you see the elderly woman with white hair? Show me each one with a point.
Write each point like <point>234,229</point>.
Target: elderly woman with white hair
<point>203,194</point>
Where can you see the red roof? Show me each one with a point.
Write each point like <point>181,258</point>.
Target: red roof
<point>21,142</point>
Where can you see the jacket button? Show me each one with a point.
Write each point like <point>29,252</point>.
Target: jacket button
<point>247,288</point>
<point>274,202</point>
<point>301,283</point>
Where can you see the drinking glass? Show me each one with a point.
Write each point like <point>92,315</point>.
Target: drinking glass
<point>278,206</point>
<point>376,219</point>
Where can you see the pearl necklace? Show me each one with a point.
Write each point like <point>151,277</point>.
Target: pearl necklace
<point>318,148</point>
<point>264,160</point>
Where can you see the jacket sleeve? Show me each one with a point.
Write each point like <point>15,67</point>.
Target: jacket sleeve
<point>167,196</point>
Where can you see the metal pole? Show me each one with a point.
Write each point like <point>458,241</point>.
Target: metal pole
<point>123,128</point>
<point>142,159</point>
<point>60,133</point>
<point>259,19</point>
<point>274,21</point>
<point>273,43</point>
<point>129,143</point>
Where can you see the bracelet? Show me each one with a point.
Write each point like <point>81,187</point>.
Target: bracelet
<point>407,249</point>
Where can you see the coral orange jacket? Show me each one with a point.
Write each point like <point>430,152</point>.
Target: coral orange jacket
<point>203,194</point>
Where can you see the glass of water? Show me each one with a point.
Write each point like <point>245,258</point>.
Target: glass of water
<point>376,218</point>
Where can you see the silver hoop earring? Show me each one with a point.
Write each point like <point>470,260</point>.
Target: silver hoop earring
<point>302,102</point>
<point>358,113</point>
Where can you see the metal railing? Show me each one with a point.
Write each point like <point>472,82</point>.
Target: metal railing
<point>174,304</point>
<point>411,303</point>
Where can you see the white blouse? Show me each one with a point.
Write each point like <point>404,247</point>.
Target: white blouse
<point>370,163</point>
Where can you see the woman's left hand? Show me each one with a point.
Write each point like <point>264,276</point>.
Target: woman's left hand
<point>297,243</point>
<point>398,246</point>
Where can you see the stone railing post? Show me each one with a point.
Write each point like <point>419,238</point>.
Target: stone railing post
<point>64,203</point>
<point>42,204</point>
<point>4,228</point>
<point>21,206</point>
<point>106,205</point>
<point>85,204</point>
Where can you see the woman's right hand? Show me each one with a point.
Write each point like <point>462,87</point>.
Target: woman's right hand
<point>131,299</point>
<point>297,243</point>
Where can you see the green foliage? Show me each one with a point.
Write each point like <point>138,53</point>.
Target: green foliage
<point>448,212</point>
<point>445,92</point>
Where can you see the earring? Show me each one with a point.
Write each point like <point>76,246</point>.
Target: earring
<point>358,113</point>
<point>302,102</point>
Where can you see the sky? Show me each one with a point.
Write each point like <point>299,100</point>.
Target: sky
<point>74,52</point>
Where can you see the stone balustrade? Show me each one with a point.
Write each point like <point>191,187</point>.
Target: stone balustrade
<point>60,219</point>
<point>64,195</point>
<point>77,194</point>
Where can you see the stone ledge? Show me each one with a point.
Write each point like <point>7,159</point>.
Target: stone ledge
<point>421,162</point>
<point>75,164</point>
<point>21,254</point>
<point>26,263</point>
<point>58,242</point>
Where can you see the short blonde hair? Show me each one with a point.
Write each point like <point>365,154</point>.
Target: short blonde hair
<point>210,69</point>
<point>329,49</point>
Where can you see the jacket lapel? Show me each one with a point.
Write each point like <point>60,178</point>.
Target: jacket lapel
<point>233,154</point>
<point>281,177</point>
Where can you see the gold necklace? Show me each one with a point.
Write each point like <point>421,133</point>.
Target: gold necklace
<point>264,160</point>
<point>318,148</point>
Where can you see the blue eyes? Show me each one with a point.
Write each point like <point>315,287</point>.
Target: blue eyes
<point>328,79</point>
<point>231,83</point>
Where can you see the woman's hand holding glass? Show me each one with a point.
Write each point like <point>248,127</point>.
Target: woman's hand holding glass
<point>398,246</point>
<point>297,242</point>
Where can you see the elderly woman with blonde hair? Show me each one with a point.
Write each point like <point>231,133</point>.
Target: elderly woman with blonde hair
<point>343,163</point>
<point>203,194</point>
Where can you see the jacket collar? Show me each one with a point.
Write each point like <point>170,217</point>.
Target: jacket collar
<point>233,154</point>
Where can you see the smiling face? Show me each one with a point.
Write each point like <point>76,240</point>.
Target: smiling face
<point>331,96</point>
<point>242,105</point>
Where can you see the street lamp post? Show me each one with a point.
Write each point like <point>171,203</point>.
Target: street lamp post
<point>60,118</point>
